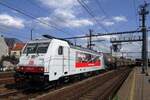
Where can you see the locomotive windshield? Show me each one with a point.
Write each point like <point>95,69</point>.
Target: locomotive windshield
<point>36,48</point>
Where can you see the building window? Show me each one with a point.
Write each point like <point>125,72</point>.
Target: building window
<point>14,53</point>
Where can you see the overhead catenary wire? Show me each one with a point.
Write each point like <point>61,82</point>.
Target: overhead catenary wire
<point>98,2</point>
<point>135,15</point>
<point>136,18</point>
<point>101,8</point>
<point>9,29</point>
<point>6,33</point>
<point>3,29</point>
<point>30,16</point>
<point>47,11</point>
<point>104,34</point>
<point>84,5</point>
<point>37,6</point>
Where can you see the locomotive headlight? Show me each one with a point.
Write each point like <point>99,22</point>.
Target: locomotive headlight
<point>42,69</point>
<point>21,68</point>
<point>109,59</point>
<point>17,68</point>
<point>41,61</point>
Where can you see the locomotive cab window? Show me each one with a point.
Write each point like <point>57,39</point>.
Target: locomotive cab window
<point>60,50</point>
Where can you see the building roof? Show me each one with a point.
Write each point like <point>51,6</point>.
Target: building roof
<point>18,46</point>
<point>11,41</point>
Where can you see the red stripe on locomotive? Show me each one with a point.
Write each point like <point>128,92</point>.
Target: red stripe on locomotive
<point>87,60</point>
<point>88,64</point>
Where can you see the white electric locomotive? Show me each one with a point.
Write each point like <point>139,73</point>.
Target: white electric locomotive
<point>52,59</point>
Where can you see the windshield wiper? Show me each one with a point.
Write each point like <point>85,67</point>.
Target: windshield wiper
<point>27,52</point>
<point>37,53</point>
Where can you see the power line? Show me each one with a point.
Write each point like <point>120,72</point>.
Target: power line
<point>47,11</point>
<point>101,8</point>
<point>134,5</point>
<point>5,29</point>
<point>104,34</point>
<point>9,29</point>
<point>30,16</point>
<point>83,4</point>
<point>22,37</point>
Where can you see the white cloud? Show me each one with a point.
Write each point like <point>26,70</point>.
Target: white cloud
<point>131,47</point>
<point>103,47</point>
<point>63,14</point>
<point>69,19</point>
<point>109,37</point>
<point>111,21</point>
<point>103,20</point>
<point>105,38</point>
<point>44,21</point>
<point>66,22</point>
<point>108,23</point>
<point>11,21</point>
<point>120,18</point>
<point>79,23</point>
<point>63,4</point>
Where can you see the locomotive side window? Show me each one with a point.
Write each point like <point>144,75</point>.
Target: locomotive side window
<point>60,50</point>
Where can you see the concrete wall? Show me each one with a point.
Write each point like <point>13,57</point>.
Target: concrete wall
<point>3,47</point>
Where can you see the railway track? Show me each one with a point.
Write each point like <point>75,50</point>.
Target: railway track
<point>106,90</point>
<point>101,87</point>
<point>13,94</point>
<point>90,88</point>
<point>6,74</point>
<point>10,92</point>
<point>6,78</point>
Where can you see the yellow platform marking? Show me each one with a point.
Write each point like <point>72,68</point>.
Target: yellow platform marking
<point>132,87</point>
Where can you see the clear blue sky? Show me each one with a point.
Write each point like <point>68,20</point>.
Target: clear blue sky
<point>68,16</point>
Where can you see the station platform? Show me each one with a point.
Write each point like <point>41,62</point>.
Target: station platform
<point>136,86</point>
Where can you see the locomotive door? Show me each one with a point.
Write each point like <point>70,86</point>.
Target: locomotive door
<point>66,60</point>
